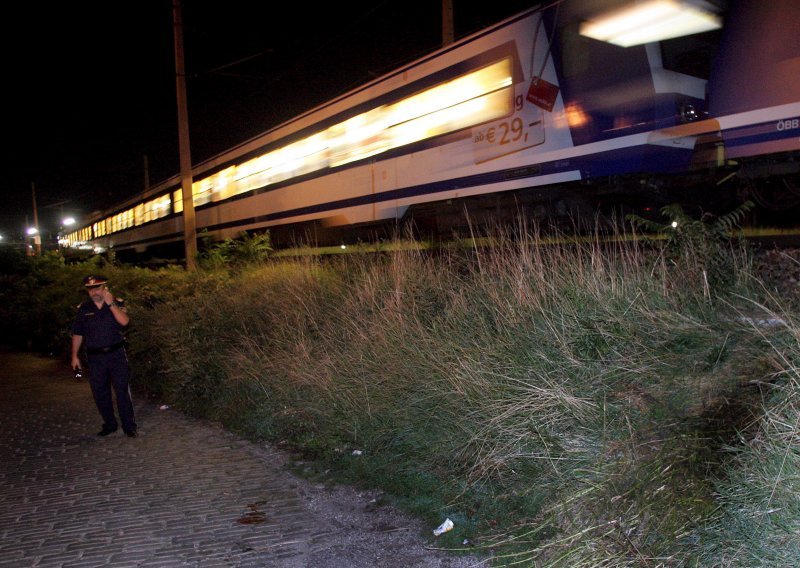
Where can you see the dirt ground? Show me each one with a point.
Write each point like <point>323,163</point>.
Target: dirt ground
<point>370,535</point>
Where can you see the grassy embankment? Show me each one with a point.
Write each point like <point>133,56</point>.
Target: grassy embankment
<point>567,405</point>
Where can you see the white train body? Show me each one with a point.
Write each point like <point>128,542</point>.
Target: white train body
<point>524,105</point>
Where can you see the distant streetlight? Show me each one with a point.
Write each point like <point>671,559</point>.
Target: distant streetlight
<point>34,249</point>
<point>68,221</point>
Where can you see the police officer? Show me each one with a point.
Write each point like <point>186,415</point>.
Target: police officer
<point>100,323</point>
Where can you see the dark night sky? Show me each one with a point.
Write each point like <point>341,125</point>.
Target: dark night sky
<point>90,86</point>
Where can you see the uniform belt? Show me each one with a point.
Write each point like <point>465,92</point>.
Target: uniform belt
<point>108,349</point>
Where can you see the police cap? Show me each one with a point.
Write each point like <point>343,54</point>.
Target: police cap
<point>94,280</point>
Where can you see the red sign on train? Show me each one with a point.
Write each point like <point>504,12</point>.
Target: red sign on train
<point>542,94</point>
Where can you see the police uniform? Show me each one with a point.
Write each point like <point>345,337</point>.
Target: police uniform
<point>104,342</point>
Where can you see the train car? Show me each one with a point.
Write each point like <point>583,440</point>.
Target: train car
<point>533,116</point>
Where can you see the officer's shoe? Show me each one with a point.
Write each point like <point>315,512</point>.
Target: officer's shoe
<point>131,434</point>
<point>106,431</point>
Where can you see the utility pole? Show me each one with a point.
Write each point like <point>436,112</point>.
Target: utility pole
<point>448,31</point>
<point>37,237</point>
<point>189,236</point>
<point>146,174</point>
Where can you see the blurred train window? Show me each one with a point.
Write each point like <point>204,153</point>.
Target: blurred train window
<point>691,55</point>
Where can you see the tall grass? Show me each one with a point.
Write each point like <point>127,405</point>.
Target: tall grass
<point>566,403</point>
<point>757,522</point>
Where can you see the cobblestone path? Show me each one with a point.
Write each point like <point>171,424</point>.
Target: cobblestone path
<point>180,494</point>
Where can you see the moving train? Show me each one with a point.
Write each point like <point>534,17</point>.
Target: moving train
<point>544,114</point>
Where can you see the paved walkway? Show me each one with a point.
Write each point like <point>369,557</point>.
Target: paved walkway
<point>180,494</point>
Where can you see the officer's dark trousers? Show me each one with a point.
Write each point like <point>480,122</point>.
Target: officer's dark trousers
<point>107,370</point>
